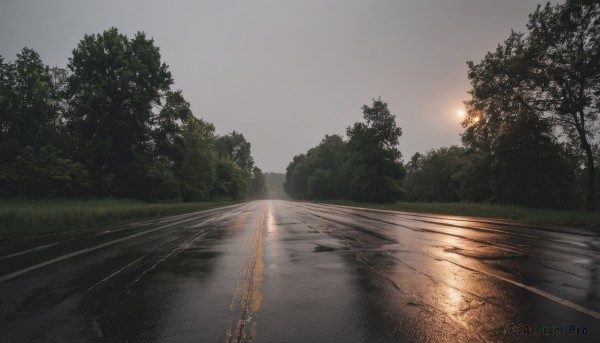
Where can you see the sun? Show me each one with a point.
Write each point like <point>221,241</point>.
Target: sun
<point>461,114</point>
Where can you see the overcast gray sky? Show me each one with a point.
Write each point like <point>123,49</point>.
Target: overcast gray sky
<point>285,73</point>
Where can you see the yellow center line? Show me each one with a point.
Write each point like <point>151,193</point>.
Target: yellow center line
<point>259,269</point>
<point>251,292</point>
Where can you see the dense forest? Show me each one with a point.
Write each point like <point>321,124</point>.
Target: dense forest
<point>530,130</point>
<point>109,125</point>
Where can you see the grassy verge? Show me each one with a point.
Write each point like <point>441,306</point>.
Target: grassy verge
<point>22,218</point>
<point>523,214</point>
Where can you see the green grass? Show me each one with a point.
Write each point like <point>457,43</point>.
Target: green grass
<point>23,218</point>
<point>519,213</point>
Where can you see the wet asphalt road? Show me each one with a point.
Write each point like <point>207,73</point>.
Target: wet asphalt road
<point>279,271</point>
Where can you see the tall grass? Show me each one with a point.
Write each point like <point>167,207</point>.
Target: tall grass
<point>23,217</point>
<point>519,213</point>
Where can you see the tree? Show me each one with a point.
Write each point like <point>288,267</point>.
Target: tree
<point>32,163</point>
<point>566,41</point>
<point>367,167</point>
<point>114,113</point>
<point>230,181</point>
<point>114,86</point>
<point>236,148</point>
<point>27,101</point>
<point>321,185</point>
<point>375,170</point>
<point>432,177</point>
<point>529,167</point>
<point>246,179</point>
<point>501,89</point>
<point>553,71</point>
<point>42,173</point>
<point>198,169</point>
<point>258,188</point>
<point>320,173</point>
<point>474,176</point>
<point>167,133</point>
<point>296,177</point>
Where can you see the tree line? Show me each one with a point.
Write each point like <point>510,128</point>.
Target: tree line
<point>530,131</point>
<point>365,167</point>
<point>110,125</point>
